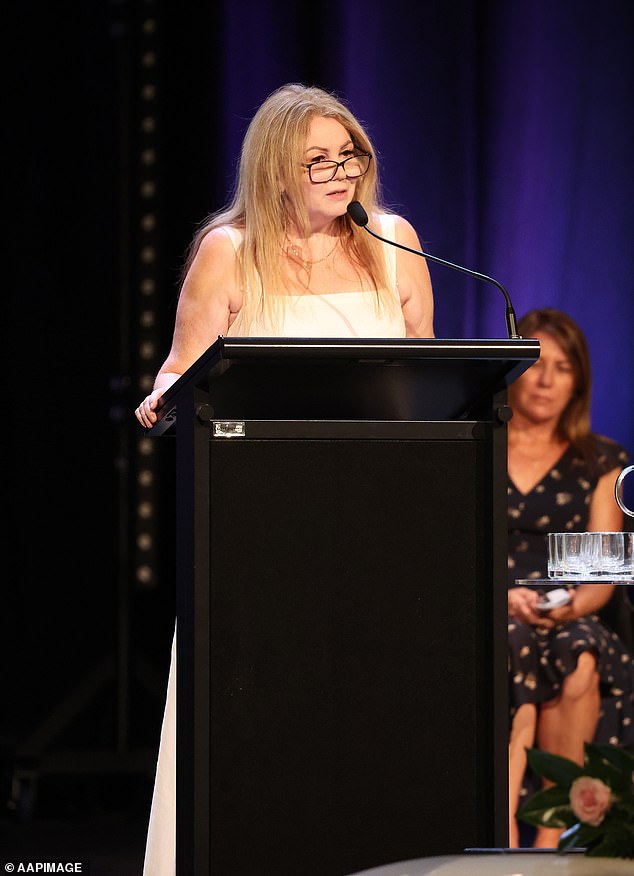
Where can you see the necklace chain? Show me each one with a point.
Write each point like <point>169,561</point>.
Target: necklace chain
<point>306,264</point>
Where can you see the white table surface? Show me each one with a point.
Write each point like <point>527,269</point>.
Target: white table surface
<point>507,863</point>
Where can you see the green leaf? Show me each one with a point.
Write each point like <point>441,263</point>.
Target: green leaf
<point>616,841</point>
<point>620,758</point>
<point>625,809</point>
<point>606,763</point>
<point>556,769</point>
<point>613,838</point>
<point>550,807</point>
<point>587,835</point>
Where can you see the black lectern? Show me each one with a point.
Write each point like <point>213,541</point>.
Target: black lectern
<point>341,561</point>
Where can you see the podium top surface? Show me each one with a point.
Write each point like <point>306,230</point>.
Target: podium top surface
<point>350,378</point>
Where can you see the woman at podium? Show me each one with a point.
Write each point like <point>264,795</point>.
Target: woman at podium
<point>284,259</point>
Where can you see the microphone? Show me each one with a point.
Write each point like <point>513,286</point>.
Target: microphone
<point>360,217</point>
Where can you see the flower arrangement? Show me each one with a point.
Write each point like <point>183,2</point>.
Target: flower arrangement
<point>594,803</point>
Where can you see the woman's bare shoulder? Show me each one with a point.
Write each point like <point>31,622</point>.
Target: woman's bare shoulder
<point>222,238</point>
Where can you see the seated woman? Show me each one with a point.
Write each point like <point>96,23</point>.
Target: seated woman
<point>571,679</point>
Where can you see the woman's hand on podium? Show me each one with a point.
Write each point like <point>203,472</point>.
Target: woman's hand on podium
<point>146,411</point>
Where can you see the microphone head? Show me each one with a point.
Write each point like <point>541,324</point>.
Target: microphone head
<point>357,214</point>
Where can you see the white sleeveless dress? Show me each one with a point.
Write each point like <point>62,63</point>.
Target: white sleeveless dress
<point>335,315</point>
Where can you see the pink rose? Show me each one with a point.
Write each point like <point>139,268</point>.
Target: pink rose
<point>590,800</point>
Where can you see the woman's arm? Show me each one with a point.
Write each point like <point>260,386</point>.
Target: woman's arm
<point>605,516</point>
<point>414,284</point>
<point>586,599</point>
<point>208,303</point>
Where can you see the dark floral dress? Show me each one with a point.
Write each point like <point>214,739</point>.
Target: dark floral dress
<point>540,659</point>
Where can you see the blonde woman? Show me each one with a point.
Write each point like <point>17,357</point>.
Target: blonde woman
<point>285,259</point>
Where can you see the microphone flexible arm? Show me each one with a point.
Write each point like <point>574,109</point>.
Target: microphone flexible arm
<point>362,220</point>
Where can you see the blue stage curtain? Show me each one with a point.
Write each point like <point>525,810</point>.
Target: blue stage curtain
<point>504,133</point>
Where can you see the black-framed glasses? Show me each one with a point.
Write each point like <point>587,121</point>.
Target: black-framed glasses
<point>353,167</point>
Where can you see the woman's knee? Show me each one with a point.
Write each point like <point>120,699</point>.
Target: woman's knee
<point>584,679</point>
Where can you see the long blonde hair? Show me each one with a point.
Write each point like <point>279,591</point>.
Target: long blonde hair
<point>268,186</point>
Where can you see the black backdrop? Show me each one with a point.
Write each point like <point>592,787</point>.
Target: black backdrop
<point>504,131</point>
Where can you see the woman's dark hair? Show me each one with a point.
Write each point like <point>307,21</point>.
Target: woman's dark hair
<point>574,424</point>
